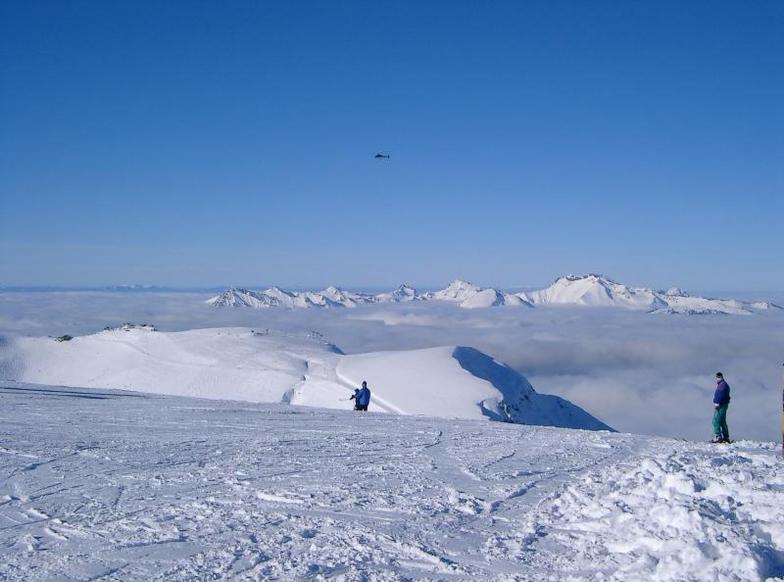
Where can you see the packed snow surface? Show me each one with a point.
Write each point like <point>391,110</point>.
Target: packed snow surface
<point>585,290</point>
<point>129,486</point>
<point>266,366</point>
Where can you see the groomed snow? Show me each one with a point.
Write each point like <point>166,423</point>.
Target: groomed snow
<point>267,366</point>
<point>126,486</point>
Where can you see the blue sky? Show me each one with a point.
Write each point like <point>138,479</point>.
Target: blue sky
<point>207,143</point>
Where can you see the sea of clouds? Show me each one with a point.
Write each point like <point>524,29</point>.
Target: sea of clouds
<point>638,372</point>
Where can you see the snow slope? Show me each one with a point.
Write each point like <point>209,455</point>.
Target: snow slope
<point>242,364</point>
<point>417,379</point>
<point>126,486</point>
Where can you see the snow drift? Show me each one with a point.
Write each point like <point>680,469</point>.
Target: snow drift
<point>303,369</point>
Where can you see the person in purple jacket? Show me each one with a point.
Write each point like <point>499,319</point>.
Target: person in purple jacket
<point>721,401</point>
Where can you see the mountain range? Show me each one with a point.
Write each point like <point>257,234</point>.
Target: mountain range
<point>590,290</point>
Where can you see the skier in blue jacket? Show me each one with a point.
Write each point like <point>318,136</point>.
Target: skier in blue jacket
<point>363,397</point>
<point>721,401</point>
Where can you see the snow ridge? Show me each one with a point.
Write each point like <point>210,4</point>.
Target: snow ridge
<point>520,402</point>
<point>267,366</point>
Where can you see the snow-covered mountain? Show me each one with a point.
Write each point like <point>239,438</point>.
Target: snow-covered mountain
<point>463,293</point>
<point>680,302</point>
<point>239,297</point>
<point>586,290</point>
<point>240,364</point>
<point>402,294</point>
<point>276,297</point>
<point>329,297</point>
<point>470,296</point>
<point>458,291</point>
<point>490,298</point>
<point>595,290</point>
<point>600,291</point>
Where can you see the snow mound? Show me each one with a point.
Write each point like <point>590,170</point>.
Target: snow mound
<point>458,382</point>
<point>242,364</point>
<point>690,514</point>
<point>224,363</point>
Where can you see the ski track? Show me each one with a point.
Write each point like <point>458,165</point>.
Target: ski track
<point>169,488</point>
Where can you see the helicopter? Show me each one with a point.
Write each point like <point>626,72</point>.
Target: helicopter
<point>381,156</point>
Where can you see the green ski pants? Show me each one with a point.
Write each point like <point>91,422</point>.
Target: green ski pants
<point>720,428</point>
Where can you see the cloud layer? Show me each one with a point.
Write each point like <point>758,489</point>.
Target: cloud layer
<point>639,373</point>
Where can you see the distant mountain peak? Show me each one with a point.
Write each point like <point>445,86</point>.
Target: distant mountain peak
<point>590,276</point>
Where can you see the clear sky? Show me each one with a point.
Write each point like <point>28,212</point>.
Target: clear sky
<point>210,143</point>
